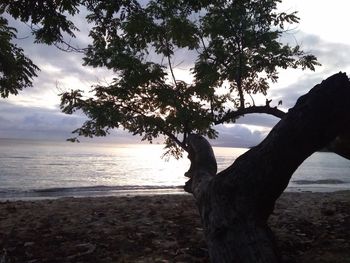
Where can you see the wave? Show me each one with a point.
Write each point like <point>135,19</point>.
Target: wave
<point>87,191</point>
<point>105,188</point>
<point>16,157</point>
<point>323,181</point>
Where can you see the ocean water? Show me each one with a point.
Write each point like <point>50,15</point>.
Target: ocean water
<point>36,169</point>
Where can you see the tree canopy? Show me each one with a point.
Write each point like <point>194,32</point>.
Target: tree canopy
<point>16,70</point>
<point>235,46</point>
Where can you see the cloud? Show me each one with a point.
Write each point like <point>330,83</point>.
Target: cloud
<point>33,122</point>
<point>289,94</point>
<point>238,135</point>
<point>332,56</point>
<point>262,120</point>
<point>50,124</point>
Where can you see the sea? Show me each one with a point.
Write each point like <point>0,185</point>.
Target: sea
<point>33,169</point>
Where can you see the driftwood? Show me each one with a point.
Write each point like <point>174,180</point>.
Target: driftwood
<point>236,203</point>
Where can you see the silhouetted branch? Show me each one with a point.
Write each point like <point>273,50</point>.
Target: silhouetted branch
<point>236,203</point>
<point>232,115</point>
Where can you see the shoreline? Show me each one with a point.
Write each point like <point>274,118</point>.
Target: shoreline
<point>121,191</point>
<point>309,227</point>
<point>50,194</point>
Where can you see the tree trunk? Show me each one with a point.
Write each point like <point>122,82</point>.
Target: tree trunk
<point>235,204</point>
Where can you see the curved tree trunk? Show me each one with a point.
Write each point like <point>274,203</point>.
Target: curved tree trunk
<point>235,204</point>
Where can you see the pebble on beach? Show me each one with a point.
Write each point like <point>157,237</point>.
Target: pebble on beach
<point>309,227</point>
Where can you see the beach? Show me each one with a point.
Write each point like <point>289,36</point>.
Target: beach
<point>309,227</point>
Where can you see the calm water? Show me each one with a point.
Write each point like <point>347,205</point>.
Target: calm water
<point>32,169</point>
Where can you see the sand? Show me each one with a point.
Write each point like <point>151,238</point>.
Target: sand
<point>310,227</point>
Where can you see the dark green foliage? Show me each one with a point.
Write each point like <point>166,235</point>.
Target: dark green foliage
<point>49,17</point>
<point>241,45</point>
<point>234,44</point>
<point>16,70</point>
<point>49,23</point>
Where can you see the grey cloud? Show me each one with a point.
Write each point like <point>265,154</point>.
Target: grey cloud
<point>68,63</point>
<point>31,122</point>
<point>237,136</point>
<point>262,120</point>
<point>292,92</point>
<point>334,57</point>
<point>38,123</point>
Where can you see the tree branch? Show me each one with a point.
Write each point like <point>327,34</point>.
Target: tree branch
<point>69,48</point>
<point>160,127</point>
<point>253,109</point>
<point>170,65</point>
<point>236,203</point>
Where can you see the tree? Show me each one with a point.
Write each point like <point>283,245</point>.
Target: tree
<point>237,46</point>
<point>237,54</point>
<point>16,70</point>
<point>234,44</point>
<point>235,204</point>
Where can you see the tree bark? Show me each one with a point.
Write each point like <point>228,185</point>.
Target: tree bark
<point>236,203</point>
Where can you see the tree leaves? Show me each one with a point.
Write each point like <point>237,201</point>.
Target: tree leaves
<point>16,70</point>
<point>243,42</point>
<point>238,50</point>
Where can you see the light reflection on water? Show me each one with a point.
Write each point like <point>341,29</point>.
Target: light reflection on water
<point>59,165</point>
<point>225,156</point>
<point>36,165</point>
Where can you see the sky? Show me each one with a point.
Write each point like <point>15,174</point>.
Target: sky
<point>35,113</point>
